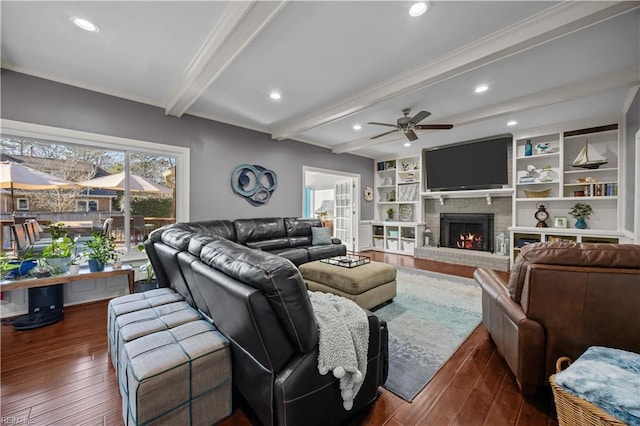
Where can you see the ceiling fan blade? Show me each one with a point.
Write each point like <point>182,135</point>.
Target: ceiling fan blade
<point>385,133</point>
<point>434,127</point>
<point>382,124</point>
<point>411,135</point>
<point>420,116</point>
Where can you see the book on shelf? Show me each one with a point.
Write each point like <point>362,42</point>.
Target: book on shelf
<point>560,239</point>
<point>601,189</point>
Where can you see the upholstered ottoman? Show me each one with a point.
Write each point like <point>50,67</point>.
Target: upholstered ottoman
<point>368,285</point>
<point>136,324</point>
<point>180,376</point>
<point>135,302</point>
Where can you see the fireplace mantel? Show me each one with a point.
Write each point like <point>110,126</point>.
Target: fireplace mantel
<point>475,193</point>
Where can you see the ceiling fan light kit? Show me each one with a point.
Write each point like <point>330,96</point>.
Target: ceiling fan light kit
<point>408,125</point>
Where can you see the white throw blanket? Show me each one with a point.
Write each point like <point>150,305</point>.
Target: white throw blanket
<point>343,329</point>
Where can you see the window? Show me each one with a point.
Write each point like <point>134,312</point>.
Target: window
<point>86,206</point>
<point>80,157</point>
<point>22,204</point>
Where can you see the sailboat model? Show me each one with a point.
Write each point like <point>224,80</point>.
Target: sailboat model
<point>588,158</point>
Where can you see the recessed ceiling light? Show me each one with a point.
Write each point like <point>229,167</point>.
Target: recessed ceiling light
<point>275,96</point>
<point>418,9</point>
<point>512,123</point>
<point>482,88</point>
<point>357,127</point>
<point>407,144</point>
<point>84,24</point>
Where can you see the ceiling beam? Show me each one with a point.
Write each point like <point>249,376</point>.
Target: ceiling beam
<point>548,25</point>
<point>547,97</point>
<point>241,23</point>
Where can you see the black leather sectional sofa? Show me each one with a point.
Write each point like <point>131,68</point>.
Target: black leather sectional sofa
<point>242,275</point>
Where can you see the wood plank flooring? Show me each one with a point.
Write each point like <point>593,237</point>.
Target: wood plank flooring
<point>61,374</point>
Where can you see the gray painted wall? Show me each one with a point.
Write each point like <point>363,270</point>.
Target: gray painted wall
<point>216,148</point>
<point>631,174</point>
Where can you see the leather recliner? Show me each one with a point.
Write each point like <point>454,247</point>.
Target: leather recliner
<point>562,298</point>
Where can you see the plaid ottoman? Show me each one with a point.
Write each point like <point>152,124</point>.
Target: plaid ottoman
<point>135,302</point>
<point>180,376</point>
<point>136,324</point>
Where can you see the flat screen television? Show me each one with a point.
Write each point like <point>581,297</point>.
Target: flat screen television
<point>480,164</point>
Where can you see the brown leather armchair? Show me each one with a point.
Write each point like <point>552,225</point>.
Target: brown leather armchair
<point>562,298</point>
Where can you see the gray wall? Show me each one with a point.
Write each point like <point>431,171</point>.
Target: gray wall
<point>631,174</point>
<point>216,148</point>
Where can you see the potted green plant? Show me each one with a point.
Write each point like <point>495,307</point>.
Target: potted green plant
<point>146,268</point>
<point>99,251</point>
<point>57,255</point>
<point>581,211</point>
<point>17,267</point>
<point>7,265</point>
<point>390,213</point>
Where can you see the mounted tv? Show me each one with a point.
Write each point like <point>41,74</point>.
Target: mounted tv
<point>478,164</point>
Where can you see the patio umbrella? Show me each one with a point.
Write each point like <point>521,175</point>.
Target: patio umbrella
<point>18,176</point>
<point>116,182</point>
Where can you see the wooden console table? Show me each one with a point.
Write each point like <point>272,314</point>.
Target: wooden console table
<point>66,278</point>
<point>48,291</point>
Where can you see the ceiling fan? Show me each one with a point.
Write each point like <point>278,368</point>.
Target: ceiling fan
<point>408,125</point>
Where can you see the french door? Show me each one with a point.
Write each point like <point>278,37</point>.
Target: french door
<point>345,218</point>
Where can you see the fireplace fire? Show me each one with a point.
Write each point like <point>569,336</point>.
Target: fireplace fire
<point>467,231</point>
<point>469,241</point>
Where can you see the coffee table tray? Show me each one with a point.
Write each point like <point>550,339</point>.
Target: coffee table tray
<point>348,261</point>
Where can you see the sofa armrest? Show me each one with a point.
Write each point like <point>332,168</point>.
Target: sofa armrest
<point>304,396</point>
<point>336,241</point>
<point>490,282</point>
<point>519,339</point>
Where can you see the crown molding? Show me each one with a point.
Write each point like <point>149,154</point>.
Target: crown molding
<point>241,23</point>
<point>545,26</point>
<point>81,85</point>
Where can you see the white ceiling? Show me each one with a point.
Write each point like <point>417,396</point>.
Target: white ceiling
<point>338,63</point>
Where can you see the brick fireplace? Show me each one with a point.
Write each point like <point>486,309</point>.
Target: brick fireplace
<point>499,209</point>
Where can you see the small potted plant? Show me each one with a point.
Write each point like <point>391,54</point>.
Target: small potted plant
<point>57,255</point>
<point>390,213</point>
<point>581,211</point>
<point>7,265</point>
<point>147,268</point>
<point>99,251</point>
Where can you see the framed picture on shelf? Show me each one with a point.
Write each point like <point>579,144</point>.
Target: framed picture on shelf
<point>559,222</point>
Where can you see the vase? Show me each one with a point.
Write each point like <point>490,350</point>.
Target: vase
<point>580,223</point>
<point>58,265</point>
<point>74,269</point>
<point>95,266</point>
<point>24,267</point>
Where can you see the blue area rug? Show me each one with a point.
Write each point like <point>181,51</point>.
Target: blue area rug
<point>428,320</point>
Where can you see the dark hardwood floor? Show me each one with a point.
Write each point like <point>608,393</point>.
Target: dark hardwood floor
<point>61,374</point>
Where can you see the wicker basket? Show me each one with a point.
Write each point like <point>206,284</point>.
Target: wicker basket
<point>574,411</point>
<point>537,194</point>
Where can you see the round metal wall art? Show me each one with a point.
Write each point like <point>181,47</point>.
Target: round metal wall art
<point>255,183</point>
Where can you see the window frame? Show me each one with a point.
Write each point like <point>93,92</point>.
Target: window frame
<point>20,200</point>
<point>43,133</point>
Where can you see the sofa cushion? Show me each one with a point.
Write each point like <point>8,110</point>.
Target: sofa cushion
<point>299,230</point>
<point>220,228</point>
<point>265,233</point>
<point>325,251</point>
<point>277,278</point>
<point>297,255</point>
<point>197,242</point>
<point>320,236</point>
<point>177,238</point>
<point>623,256</point>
